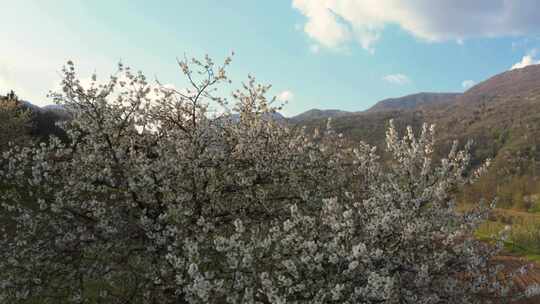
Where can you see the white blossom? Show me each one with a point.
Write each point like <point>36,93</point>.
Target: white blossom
<point>154,200</point>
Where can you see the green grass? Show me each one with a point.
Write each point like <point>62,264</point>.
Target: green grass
<point>535,208</point>
<point>524,236</point>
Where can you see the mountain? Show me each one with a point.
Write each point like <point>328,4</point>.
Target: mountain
<point>501,115</point>
<point>273,116</point>
<point>30,106</point>
<point>518,82</point>
<point>409,102</point>
<point>58,110</point>
<point>318,114</point>
<point>43,121</point>
<point>413,101</point>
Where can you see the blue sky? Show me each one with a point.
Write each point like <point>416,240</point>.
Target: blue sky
<point>344,54</point>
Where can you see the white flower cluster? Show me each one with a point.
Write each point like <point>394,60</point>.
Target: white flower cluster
<point>154,200</point>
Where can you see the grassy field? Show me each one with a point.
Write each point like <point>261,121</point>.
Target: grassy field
<point>522,246</point>
<point>524,235</point>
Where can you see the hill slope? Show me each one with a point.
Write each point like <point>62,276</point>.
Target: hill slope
<point>501,114</point>
<point>518,82</point>
<point>413,101</point>
<point>318,114</point>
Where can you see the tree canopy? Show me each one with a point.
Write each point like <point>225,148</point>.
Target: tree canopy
<point>14,122</point>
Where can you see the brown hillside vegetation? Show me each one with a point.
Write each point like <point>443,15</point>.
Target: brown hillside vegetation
<point>532,276</point>
<point>414,101</point>
<point>516,82</point>
<point>501,115</point>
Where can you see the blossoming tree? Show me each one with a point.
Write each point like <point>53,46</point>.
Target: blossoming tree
<point>157,198</point>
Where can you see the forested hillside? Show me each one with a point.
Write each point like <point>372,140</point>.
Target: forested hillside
<point>501,115</point>
<point>23,123</point>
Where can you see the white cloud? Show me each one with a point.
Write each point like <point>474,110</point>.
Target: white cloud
<point>468,83</point>
<point>314,48</point>
<point>286,95</point>
<point>322,25</point>
<point>398,79</point>
<point>525,61</point>
<point>333,23</point>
